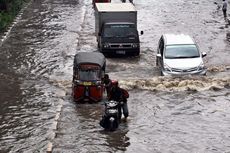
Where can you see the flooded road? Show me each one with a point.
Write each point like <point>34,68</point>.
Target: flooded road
<point>188,114</point>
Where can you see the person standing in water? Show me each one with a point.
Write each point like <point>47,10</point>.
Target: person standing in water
<point>224,8</point>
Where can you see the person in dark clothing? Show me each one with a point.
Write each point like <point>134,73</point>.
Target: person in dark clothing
<point>108,84</point>
<point>120,95</point>
<point>224,8</point>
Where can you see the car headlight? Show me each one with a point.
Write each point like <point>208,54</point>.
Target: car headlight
<point>201,66</point>
<point>166,67</point>
<point>106,45</point>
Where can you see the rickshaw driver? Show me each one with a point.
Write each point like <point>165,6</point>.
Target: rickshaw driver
<point>120,95</point>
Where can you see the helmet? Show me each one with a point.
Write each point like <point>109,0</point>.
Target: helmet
<point>106,76</point>
<point>114,83</point>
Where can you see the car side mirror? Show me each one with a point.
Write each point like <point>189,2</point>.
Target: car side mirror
<point>142,32</point>
<point>204,54</point>
<point>159,55</point>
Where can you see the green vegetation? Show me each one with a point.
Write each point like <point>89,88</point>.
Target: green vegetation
<point>8,10</point>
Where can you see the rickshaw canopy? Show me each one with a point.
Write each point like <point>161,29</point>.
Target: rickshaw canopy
<point>96,58</point>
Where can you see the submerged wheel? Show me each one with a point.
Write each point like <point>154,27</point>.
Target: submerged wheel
<point>137,53</point>
<point>111,126</point>
<point>157,63</point>
<point>161,73</point>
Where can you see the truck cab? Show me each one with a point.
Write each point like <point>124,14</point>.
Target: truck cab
<point>119,38</point>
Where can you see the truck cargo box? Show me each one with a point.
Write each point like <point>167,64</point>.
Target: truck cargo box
<point>114,12</point>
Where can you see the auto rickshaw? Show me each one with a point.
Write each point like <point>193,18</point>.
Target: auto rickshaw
<point>88,73</point>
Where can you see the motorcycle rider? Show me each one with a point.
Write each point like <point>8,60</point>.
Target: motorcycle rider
<point>120,95</point>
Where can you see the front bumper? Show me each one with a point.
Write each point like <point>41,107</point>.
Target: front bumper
<point>121,48</point>
<point>172,73</point>
<point>121,51</point>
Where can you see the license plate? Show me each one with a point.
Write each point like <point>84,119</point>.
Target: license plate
<point>120,52</point>
<point>87,83</point>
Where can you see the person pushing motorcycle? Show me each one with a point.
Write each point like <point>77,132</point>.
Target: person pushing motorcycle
<point>108,84</point>
<point>120,95</point>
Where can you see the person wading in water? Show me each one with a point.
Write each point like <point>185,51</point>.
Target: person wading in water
<point>224,9</point>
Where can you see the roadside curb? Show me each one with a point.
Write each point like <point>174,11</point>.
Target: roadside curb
<point>54,127</point>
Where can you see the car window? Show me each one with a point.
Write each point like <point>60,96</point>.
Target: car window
<point>181,51</point>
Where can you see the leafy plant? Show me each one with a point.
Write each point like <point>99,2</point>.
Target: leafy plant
<point>8,10</point>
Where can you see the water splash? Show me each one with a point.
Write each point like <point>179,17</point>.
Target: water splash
<point>177,84</point>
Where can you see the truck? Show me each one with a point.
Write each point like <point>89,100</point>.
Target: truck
<point>116,28</point>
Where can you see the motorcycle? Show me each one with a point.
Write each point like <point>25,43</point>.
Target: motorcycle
<point>111,118</point>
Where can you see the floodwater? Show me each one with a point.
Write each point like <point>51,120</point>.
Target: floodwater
<point>167,115</point>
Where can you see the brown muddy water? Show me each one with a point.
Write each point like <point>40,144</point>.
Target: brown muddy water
<point>167,115</point>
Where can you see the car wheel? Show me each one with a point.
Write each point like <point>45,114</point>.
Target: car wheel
<point>161,73</point>
<point>137,53</point>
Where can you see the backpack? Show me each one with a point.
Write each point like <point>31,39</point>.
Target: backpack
<point>125,93</point>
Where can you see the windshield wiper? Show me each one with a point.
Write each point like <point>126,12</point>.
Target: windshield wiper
<point>182,57</point>
<point>185,56</point>
<point>133,36</point>
<point>193,56</point>
<point>119,36</point>
<point>108,36</point>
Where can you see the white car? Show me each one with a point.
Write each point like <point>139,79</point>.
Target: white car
<point>178,54</point>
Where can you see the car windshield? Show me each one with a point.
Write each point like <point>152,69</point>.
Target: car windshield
<point>181,51</point>
<point>89,75</point>
<point>120,30</point>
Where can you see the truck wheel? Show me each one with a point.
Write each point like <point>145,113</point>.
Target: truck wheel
<point>137,53</point>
